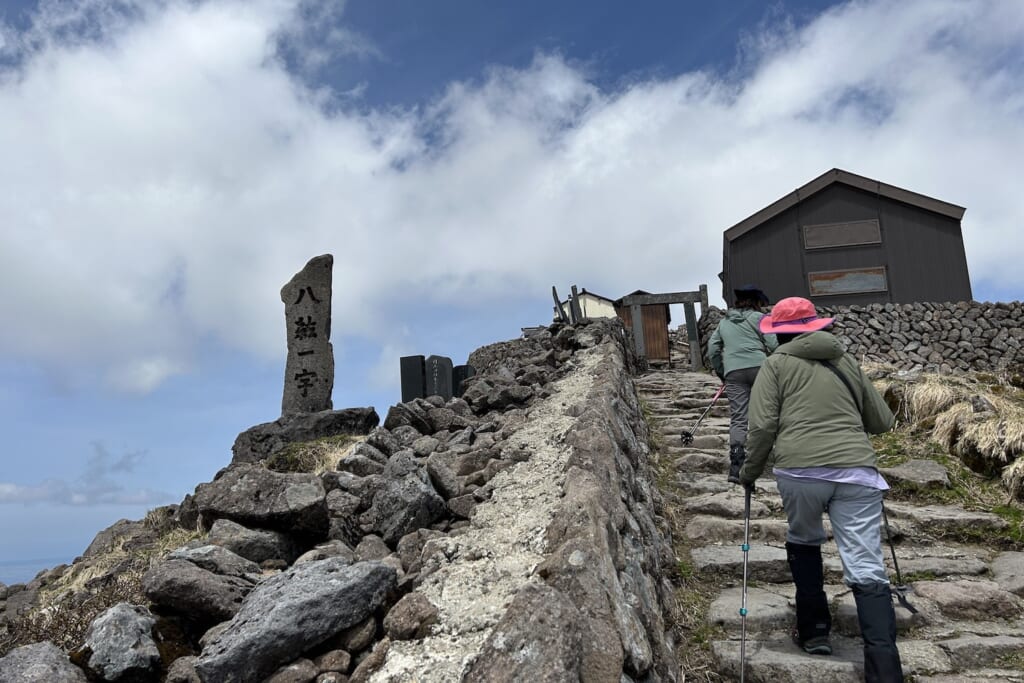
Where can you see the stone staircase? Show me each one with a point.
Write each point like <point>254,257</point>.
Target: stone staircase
<point>970,620</point>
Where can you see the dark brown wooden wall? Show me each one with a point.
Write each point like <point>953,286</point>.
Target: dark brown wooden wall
<point>655,317</point>
<point>923,252</point>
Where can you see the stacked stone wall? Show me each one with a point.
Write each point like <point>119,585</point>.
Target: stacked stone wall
<point>937,337</point>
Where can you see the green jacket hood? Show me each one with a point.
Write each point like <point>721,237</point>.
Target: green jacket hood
<point>813,346</point>
<point>740,315</point>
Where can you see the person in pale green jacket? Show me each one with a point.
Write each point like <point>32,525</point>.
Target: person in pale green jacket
<point>811,410</point>
<point>736,350</point>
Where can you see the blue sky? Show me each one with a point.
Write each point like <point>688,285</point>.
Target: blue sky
<point>166,166</point>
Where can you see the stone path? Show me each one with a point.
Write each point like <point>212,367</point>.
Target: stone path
<point>970,620</point>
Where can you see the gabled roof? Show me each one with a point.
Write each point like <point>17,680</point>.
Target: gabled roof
<point>837,175</point>
<point>596,296</point>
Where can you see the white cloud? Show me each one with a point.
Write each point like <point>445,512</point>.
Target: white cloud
<point>163,178</point>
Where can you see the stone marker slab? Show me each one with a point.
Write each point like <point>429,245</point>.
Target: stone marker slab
<point>414,379</point>
<point>309,370</point>
<point>461,373</point>
<point>439,377</point>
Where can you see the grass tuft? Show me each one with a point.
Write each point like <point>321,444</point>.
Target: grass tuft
<point>316,457</point>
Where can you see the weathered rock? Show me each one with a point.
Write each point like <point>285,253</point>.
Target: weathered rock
<point>407,414</point>
<point>356,638</point>
<point>257,545</point>
<point>403,506</point>
<point>39,663</point>
<point>360,465</point>
<point>335,660</point>
<point>424,446</point>
<point>217,559</point>
<point>1008,572</point>
<point>410,618</point>
<point>371,548</point>
<point>442,477</point>
<point>402,464</point>
<point>183,670</point>
<point>121,644</point>
<point>124,533</point>
<point>367,450</point>
<point>463,506</point>
<point>383,440</point>
<point>323,551</point>
<point>299,671</point>
<point>257,497</point>
<point>196,593</point>
<point>260,442</point>
<point>410,547</point>
<point>371,662</point>
<point>293,612</point>
<point>538,639</point>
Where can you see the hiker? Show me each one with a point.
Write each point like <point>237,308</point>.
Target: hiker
<point>814,406</point>
<point>736,350</point>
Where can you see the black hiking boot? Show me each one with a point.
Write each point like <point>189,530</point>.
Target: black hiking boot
<point>878,629</point>
<point>813,619</point>
<point>737,454</point>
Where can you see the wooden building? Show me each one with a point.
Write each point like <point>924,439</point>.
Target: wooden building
<point>656,318</point>
<point>844,239</point>
<point>591,306</point>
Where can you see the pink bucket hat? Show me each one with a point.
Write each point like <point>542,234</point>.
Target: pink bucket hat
<point>793,315</point>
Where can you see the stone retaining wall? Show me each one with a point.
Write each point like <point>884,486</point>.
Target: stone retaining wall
<point>937,337</point>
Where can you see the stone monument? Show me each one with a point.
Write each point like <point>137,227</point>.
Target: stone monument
<point>309,371</point>
<point>438,377</point>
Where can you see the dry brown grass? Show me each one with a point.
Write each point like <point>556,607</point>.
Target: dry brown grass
<point>974,416</point>
<point>316,457</point>
<point>67,606</point>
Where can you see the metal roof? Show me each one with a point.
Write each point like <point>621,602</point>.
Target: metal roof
<point>837,175</point>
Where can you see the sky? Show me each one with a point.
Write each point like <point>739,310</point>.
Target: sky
<point>167,165</point>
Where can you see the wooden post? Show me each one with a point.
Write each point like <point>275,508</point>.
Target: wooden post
<point>703,299</point>
<point>574,306</point>
<point>691,332</point>
<point>638,330</point>
<point>558,306</point>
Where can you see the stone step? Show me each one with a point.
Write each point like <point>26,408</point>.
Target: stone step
<point>779,660</point>
<point>765,563</point>
<point>772,608</point>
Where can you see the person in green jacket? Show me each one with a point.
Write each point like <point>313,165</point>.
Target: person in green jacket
<point>811,409</point>
<point>736,350</point>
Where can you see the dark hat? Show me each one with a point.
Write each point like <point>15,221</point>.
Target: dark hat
<point>751,292</point>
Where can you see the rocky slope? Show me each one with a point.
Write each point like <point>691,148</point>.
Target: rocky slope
<point>511,534</point>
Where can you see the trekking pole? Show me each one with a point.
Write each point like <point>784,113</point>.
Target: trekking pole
<point>901,590</point>
<point>743,596</point>
<point>687,438</point>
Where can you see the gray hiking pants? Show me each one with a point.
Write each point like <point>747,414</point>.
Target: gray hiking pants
<point>737,388</point>
<point>856,515</point>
